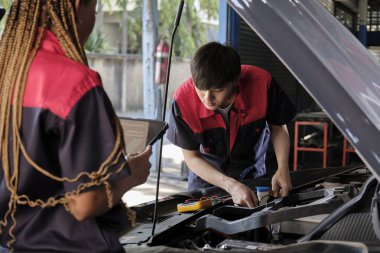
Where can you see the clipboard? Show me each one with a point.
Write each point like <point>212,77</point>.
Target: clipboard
<point>138,133</point>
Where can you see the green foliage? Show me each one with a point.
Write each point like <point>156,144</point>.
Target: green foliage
<point>191,32</point>
<point>5,3</point>
<point>190,35</point>
<point>134,28</point>
<point>96,43</point>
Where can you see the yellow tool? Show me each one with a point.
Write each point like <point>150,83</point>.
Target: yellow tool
<point>194,205</point>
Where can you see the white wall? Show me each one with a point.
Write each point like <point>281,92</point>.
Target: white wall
<point>110,69</point>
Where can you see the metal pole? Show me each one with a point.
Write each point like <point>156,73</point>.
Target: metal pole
<point>362,36</point>
<point>124,50</point>
<point>149,41</point>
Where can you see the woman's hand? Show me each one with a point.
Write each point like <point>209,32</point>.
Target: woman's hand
<point>139,165</point>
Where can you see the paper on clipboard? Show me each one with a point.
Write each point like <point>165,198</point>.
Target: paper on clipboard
<point>135,135</point>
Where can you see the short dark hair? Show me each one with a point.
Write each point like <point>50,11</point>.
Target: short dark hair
<point>214,65</point>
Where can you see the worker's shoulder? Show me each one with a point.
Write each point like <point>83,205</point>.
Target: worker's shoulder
<point>254,72</point>
<point>185,91</point>
<point>187,102</point>
<point>62,69</point>
<point>57,83</point>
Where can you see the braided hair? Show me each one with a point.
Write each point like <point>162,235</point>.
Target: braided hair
<point>26,22</point>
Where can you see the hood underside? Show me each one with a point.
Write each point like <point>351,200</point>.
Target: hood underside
<point>329,62</point>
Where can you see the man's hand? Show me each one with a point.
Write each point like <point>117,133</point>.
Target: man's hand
<point>139,165</point>
<point>281,183</point>
<point>242,195</point>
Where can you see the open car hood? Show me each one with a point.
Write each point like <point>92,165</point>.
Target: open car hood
<point>328,61</point>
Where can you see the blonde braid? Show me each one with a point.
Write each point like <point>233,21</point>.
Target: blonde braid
<point>20,84</point>
<point>70,47</point>
<point>71,19</point>
<point>19,45</point>
<point>23,46</point>
<point>6,49</point>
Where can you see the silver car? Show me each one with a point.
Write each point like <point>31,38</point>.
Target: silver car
<point>344,79</point>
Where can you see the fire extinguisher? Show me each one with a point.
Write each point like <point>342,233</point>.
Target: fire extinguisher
<point>162,60</point>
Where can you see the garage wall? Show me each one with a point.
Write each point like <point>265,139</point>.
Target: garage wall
<point>254,51</point>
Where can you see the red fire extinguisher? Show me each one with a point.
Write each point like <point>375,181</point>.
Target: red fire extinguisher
<point>162,59</point>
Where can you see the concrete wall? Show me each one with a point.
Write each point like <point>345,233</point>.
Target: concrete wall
<point>376,52</point>
<point>111,70</point>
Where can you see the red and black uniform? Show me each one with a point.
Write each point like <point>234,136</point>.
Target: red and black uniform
<point>258,101</point>
<point>68,127</point>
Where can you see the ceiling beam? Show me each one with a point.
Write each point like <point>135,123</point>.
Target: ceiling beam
<point>351,4</point>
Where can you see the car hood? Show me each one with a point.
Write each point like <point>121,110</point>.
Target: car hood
<point>329,62</point>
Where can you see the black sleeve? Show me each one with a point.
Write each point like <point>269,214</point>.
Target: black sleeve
<point>280,110</point>
<point>179,133</point>
<point>88,137</point>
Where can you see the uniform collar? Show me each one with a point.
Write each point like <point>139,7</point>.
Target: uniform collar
<point>240,104</point>
<point>51,43</point>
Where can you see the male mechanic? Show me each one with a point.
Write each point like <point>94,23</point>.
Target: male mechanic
<point>223,118</point>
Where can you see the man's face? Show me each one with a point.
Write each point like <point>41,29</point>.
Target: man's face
<point>216,98</point>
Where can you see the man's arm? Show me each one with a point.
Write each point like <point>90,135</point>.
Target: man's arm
<point>240,193</point>
<point>281,182</point>
<point>95,203</point>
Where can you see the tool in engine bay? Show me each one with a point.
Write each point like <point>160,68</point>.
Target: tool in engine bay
<point>192,205</point>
